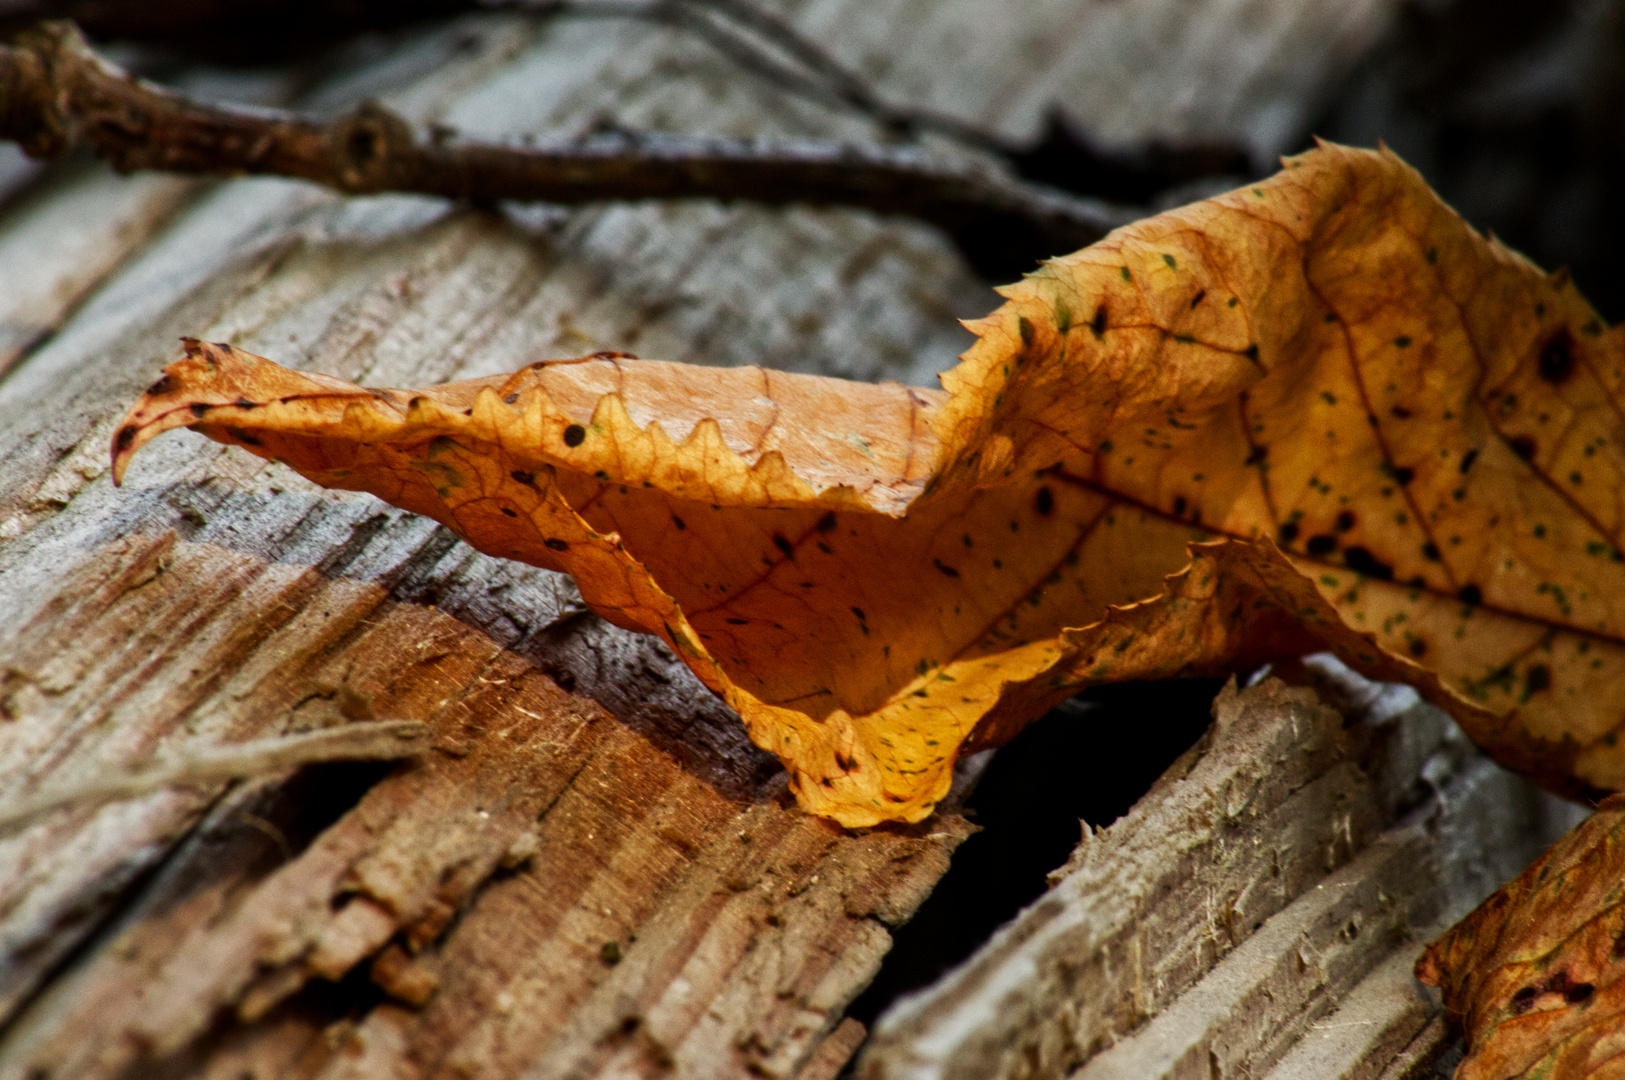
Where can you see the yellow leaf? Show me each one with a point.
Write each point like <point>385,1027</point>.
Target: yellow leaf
<point>880,578</point>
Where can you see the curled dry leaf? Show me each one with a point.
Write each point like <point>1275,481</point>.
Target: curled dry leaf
<point>1385,434</point>
<point>1536,975</point>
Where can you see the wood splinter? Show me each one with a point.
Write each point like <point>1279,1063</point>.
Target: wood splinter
<point>385,740</point>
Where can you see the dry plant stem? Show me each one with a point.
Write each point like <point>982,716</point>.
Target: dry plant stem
<point>380,741</point>
<point>56,93</point>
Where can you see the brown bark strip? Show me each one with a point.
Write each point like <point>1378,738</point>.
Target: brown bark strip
<point>56,93</point>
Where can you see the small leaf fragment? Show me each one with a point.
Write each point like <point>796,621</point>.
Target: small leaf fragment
<point>1536,974</point>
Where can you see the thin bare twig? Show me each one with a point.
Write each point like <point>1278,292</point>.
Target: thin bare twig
<point>384,740</point>
<point>56,93</point>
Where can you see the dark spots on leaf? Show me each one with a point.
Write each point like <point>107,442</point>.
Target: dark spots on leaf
<point>1557,358</point>
<point>1402,341</point>
<point>1044,502</point>
<point>1287,533</point>
<point>1433,254</point>
<point>968,542</point>
<point>1361,561</point>
<point>1523,446</point>
<point>125,436</point>
<point>1098,324</point>
<point>825,548</point>
<point>1536,679</point>
<point>200,409</point>
<point>1430,551</point>
<point>1417,647</point>
<point>526,478</point>
<point>575,435</point>
<point>826,523</point>
<point>846,764</point>
<point>1400,412</point>
<point>1467,460</point>
<point>1256,454</point>
<point>1179,506</point>
<point>1344,522</point>
<point>1251,352</point>
<point>1524,998</point>
<point>1197,299</point>
<point>1169,259</point>
<point>944,567</point>
<point>510,512</point>
<point>679,522</point>
<point>1470,594</point>
<point>784,545</point>
<point>859,613</point>
<point>556,545</point>
<point>1321,544</point>
<point>244,404</point>
<point>511,398</point>
<point>1578,993</point>
<point>162,386</point>
<point>1404,475</point>
<point>738,622</point>
<point>1026,329</point>
<point>601,475</point>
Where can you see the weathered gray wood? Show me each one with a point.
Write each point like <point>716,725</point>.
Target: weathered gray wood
<point>200,931</point>
<point>1201,935</point>
<point>1371,1026</point>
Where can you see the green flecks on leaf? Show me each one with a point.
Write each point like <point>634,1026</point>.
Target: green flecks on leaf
<point>1169,259</point>
<point>1126,275</point>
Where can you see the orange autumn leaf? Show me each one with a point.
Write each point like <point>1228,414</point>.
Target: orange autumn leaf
<point>880,578</point>
<point>1536,974</point>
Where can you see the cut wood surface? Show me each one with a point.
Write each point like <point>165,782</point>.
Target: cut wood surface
<point>591,872</point>
<point>1260,884</point>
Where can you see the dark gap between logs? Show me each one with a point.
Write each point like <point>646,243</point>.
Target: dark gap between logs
<point>1090,759</point>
